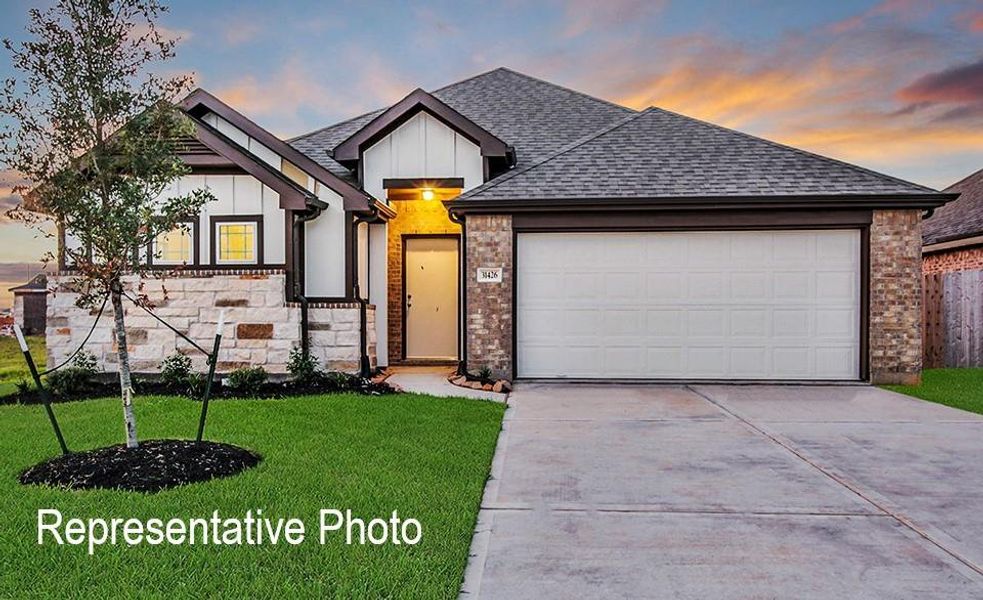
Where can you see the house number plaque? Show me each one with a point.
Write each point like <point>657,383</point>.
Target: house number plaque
<point>489,275</point>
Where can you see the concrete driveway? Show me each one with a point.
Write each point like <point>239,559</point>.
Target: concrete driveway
<point>730,492</point>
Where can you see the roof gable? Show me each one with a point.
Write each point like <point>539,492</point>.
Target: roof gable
<point>199,102</point>
<point>961,218</point>
<point>349,151</point>
<point>535,117</point>
<point>660,154</point>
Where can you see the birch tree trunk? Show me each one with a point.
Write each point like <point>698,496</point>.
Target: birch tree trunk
<point>125,382</point>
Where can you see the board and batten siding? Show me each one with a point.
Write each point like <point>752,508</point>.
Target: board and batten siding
<point>324,249</point>
<point>421,147</point>
<point>235,195</point>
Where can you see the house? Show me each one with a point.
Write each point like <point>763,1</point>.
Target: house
<point>31,304</point>
<point>952,261</point>
<point>508,223</point>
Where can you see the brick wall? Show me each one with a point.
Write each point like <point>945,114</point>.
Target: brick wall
<point>489,314</point>
<point>261,328</point>
<point>412,217</point>
<point>895,297</point>
<point>959,259</point>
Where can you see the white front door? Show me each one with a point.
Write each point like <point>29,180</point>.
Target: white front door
<point>689,305</point>
<point>431,292</point>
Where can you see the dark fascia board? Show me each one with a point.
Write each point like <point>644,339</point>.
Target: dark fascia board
<point>422,182</point>
<point>857,201</point>
<point>349,151</point>
<point>198,102</point>
<point>292,196</point>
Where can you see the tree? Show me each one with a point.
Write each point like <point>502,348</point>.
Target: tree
<point>95,132</point>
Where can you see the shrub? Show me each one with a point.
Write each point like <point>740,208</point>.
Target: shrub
<point>484,374</point>
<point>85,361</point>
<point>73,380</point>
<point>196,385</point>
<point>175,370</point>
<point>302,368</point>
<point>246,378</point>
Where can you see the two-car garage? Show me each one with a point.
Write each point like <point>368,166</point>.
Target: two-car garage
<point>728,305</point>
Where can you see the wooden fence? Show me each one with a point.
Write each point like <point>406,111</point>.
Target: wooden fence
<point>952,323</point>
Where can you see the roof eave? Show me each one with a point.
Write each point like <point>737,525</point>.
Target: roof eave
<point>856,201</point>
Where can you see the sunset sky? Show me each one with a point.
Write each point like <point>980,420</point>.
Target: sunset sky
<point>896,85</point>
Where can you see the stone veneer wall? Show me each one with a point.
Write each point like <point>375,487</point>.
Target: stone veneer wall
<point>261,328</point>
<point>896,297</point>
<point>412,217</point>
<point>957,259</point>
<point>489,315</point>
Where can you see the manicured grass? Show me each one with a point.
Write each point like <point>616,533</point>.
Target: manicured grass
<point>12,365</point>
<point>959,388</point>
<point>424,457</point>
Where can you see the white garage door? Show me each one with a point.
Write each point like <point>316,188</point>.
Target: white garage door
<point>689,305</point>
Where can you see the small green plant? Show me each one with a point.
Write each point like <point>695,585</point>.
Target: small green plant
<point>246,378</point>
<point>301,367</point>
<point>175,370</point>
<point>85,361</point>
<point>74,379</point>
<point>484,373</point>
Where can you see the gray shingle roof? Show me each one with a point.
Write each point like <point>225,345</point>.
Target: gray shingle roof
<point>657,153</point>
<point>534,116</point>
<point>961,218</point>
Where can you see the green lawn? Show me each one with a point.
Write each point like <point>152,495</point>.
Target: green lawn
<point>12,365</point>
<point>424,457</point>
<point>959,388</point>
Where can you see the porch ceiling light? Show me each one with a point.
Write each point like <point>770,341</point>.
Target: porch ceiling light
<point>427,194</point>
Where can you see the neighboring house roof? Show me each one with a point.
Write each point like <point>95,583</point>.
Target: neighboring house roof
<point>349,152</point>
<point>960,219</point>
<point>199,102</point>
<point>37,284</point>
<point>533,116</point>
<point>661,154</point>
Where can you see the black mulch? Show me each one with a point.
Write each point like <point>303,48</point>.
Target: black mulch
<point>153,466</point>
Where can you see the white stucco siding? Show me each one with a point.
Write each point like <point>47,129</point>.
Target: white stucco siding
<point>324,249</point>
<point>421,147</point>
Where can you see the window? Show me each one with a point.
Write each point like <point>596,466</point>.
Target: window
<point>237,242</point>
<point>174,247</point>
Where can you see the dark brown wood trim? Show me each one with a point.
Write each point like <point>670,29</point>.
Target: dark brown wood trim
<point>350,251</point>
<point>396,183</point>
<point>865,303</point>
<point>402,244</point>
<point>667,221</point>
<point>213,239</point>
<point>195,247</point>
<point>291,194</point>
<point>704,203</point>
<point>199,101</point>
<point>350,150</point>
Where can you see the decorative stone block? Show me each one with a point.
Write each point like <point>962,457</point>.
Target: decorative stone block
<point>254,331</point>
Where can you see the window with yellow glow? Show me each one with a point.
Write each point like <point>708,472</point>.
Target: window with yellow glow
<point>236,242</point>
<point>173,247</point>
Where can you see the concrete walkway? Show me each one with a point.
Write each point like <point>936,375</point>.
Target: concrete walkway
<point>730,492</point>
<point>433,381</point>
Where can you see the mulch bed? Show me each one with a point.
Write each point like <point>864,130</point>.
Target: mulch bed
<point>153,466</point>
<point>109,387</point>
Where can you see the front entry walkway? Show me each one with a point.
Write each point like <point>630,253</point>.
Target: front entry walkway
<point>730,492</point>
<point>433,381</point>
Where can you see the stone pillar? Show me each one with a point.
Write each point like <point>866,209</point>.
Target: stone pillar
<point>489,305</point>
<point>896,297</point>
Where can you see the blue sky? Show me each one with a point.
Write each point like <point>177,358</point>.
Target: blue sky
<point>893,85</point>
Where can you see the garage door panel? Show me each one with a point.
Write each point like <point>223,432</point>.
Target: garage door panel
<point>689,305</point>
